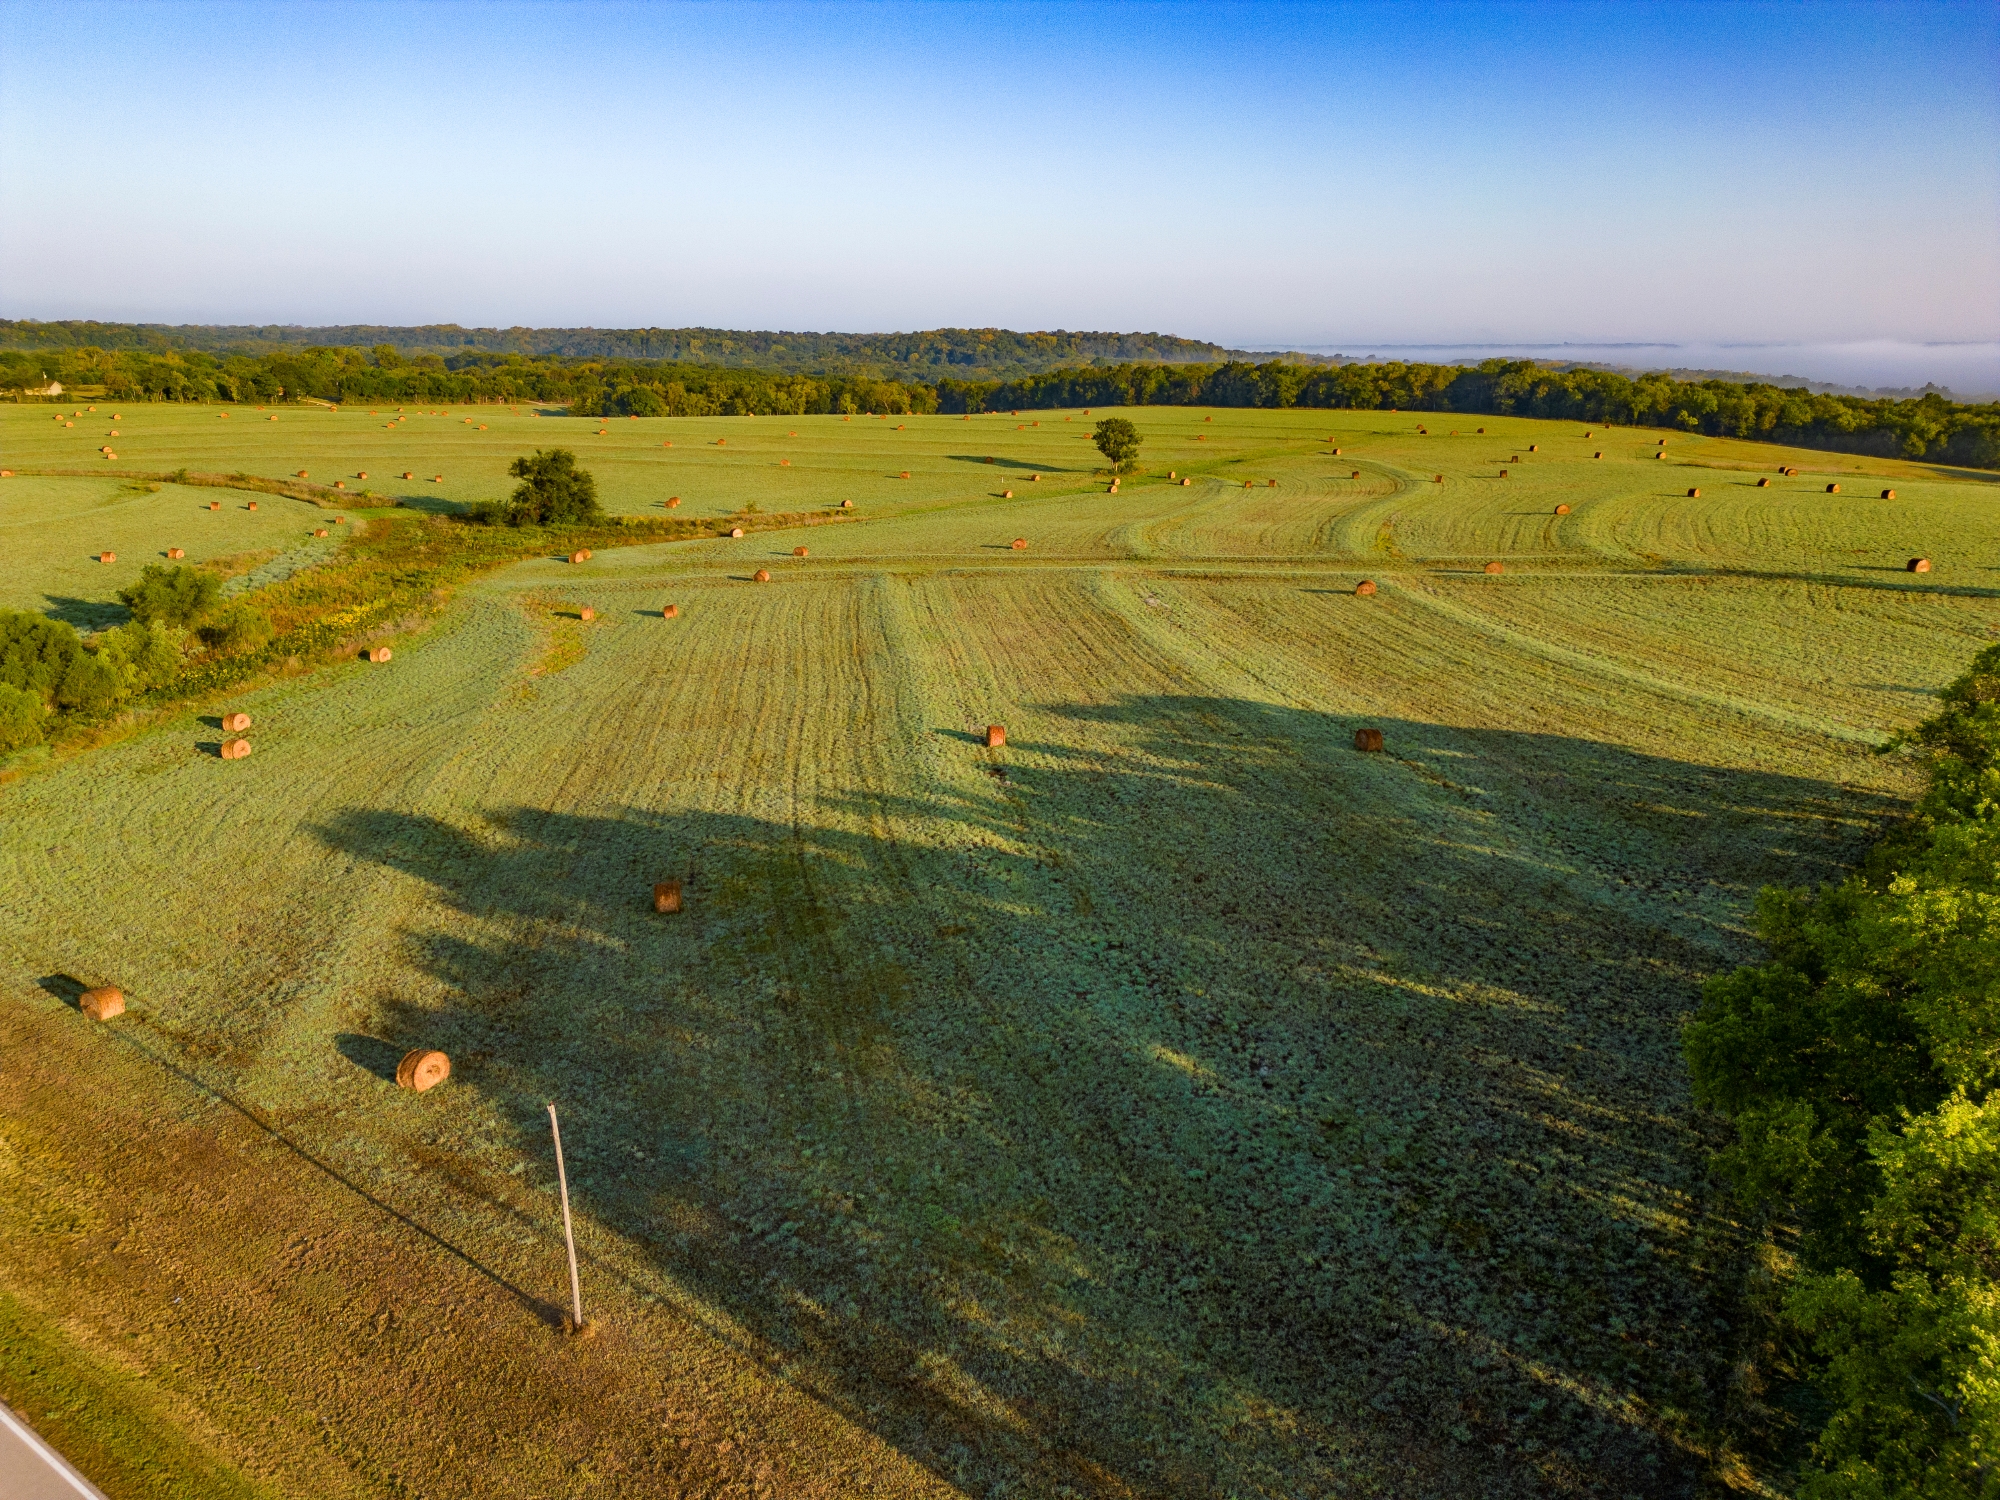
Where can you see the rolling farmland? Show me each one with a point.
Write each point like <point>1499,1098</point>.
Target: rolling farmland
<point>1174,1101</point>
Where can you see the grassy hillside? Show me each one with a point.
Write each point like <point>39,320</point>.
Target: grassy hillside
<point>1172,1102</point>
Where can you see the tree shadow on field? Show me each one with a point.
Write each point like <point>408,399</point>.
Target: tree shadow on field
<point>85,614</point>
<point>1207,1109</point>
<point>997,462</point>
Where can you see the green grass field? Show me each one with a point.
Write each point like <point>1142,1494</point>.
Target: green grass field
<point>1173,1102</point>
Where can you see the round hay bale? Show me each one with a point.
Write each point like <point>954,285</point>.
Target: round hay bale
<point>1336,453</point>
<point>847,505</point>
<point>1694,493</point>
<point>1597,455</point>
<point>102,1003</point>
<point>1037,479</point>
<point>1272,484</point>
<point>1515,459</point>
<point>667,897</point>
<point>1019,544</point>
<point>235,723</point>
<point>235,749</point>
<point>251,506</point>
<point>1365,588</point>
<point>672,501</point>
<point>1918,565</point>
<point>1503,473</point>
<point>670,612</point>
<point>437,479</point>
<point>338,520</point>
<point>1888,494</point>
<point>1833,489</point>
<point>1562,510</point>
<point>175,554</point>
<point>1422,432</point>
<point>577,557</point>
<point>107,557</point>
<point>379,653</point>
<point>422,1068</point>
<point>763,575</point>
<point>798,551</point>
<point>1534,447</point>
<point>736,531</point>
<point>302,473</point>
<point>1437,479</point>
<point>215,505</point>
<point>1368,740</point>
<point>1494,567</point>
<point>362,475</point>
<point>1764,483</point>
<point>407,474</point>
<point>1006,494</point>
<point>784,463</point>
<point>996,736</point>
<point>1661,454</point>
<point>320,531</point>
<point>1186,482</point>
<point>1482,432</point>
<point>1590,434</point>
<point>585,612</point>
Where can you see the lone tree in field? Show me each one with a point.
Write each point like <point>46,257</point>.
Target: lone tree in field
<point>553,491</point>
<point>1118,440</point>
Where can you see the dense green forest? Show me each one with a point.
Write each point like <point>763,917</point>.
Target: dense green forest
<point>1858,1067</point>
<point>994,352</point>
<point>1930,427</point>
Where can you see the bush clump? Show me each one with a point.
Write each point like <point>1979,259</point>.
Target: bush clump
<point>172,596</point>
<point>145,656</point>
<point>21,715</point>
<point>239,627</point>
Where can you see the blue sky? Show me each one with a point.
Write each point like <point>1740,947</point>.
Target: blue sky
<point>1255,174</point>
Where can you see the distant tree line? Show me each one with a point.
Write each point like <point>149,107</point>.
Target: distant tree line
<point>1929,427</point>
<point>991,351</point>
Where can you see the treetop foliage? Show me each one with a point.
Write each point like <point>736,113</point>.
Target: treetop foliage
<point>1858,1066</point>
<point>553,491</point>
<point>172,596</point>
<point>1118,440</point>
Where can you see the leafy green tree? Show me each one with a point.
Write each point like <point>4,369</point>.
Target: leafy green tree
<point>553,490</point>
<point>144,655</point>
<point>1118,440</point>
<point>46,658</point>
<point>172,596</point>
<point>20,718</point>
<point>1860,1067</point>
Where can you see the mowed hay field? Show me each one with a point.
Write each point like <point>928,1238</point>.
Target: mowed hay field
<point>1173,1101</point>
